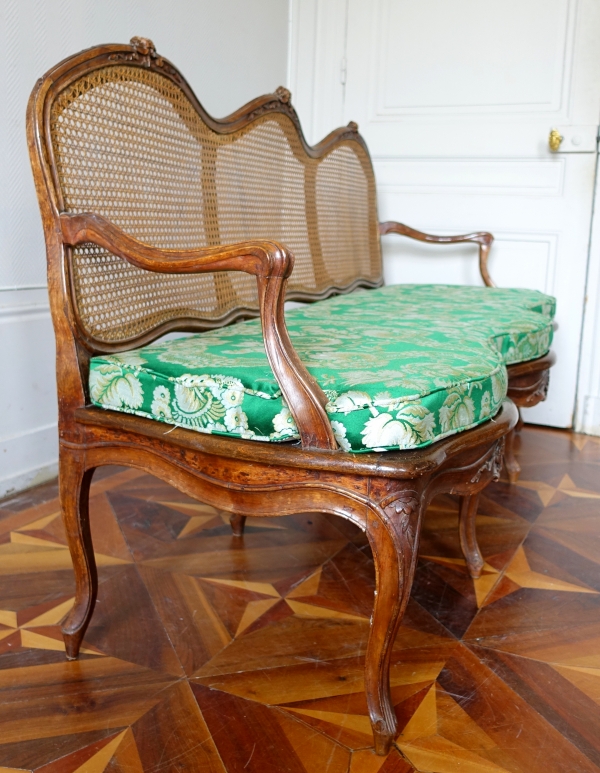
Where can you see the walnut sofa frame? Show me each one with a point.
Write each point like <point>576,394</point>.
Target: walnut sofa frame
<point>527,381</point>
<point>385,494</point>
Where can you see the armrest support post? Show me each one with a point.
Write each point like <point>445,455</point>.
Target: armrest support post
<point>482,238</point>
<point>271,264</point>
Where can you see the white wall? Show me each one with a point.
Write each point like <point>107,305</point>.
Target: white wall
<point>317,75</point>
<point>229,50</point>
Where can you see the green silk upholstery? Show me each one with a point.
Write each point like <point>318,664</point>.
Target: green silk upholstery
<point>402,367</point>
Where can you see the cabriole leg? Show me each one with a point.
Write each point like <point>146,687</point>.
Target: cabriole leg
<point>468,538</point>
<point>394,551</point>
<point>74,485</point>
<point>513,468</point>
<point>237,524</point>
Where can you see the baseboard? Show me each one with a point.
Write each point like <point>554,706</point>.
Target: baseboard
<point>28,459</point>
<point>28,423</point>
<point>28,479</point>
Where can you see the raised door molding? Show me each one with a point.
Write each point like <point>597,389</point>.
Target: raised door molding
<point>492,177</point>
<point>316,75</point>
<point>507,66</point>
<point>410,74</point>
<point>532,255</point>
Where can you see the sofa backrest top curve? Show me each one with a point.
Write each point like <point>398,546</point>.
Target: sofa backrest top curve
<point>125,138</point>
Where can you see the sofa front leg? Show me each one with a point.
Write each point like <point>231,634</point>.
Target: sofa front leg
<point>468,538</point>
<point>74,490</point>
<point>393,537</point>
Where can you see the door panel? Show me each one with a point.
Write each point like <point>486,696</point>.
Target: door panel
<point>456,102</point>
<point>501,39</point>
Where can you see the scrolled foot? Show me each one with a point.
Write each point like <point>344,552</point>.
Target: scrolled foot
<point>475,567</point>
<point>72,643</point>
<point>513,470</point>
<point>237,524</point>
<point>383,737</point>
<point>468,537</point>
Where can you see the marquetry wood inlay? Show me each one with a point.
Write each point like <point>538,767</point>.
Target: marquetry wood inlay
<point>210,654</point>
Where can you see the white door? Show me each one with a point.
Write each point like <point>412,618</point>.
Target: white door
<point>456,101</point>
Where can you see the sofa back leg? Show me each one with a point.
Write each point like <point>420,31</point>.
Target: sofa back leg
<point>513,468</point>
<point>237,524</point>
<point>468,538</point>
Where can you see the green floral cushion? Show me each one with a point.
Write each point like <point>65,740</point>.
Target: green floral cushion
<point>399,370</point>
<point>518,322</point>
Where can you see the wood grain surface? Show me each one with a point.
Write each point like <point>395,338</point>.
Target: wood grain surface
<point>208,652</point>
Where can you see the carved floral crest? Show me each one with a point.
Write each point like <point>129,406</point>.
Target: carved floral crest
<point>147,50</point>
<point>285,95</point>
<point>144,53</point>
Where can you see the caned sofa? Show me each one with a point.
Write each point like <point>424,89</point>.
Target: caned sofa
<point>365,403</point>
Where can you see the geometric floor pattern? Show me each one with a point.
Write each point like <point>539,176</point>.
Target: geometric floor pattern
<point>211,653</point>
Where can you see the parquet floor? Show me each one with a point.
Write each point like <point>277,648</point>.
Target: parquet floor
<point>207,653</point>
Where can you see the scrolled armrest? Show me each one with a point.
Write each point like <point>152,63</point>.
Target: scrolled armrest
<point>261,258</point>
<point>483,238</point>
<point>271,263</point>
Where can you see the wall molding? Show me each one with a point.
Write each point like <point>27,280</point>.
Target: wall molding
<point>476,176</point>
<point>28,432</point>
<point>23,312</point>
<point>318,41</point>
<point>31,458</point>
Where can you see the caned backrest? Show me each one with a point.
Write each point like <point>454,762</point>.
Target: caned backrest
<point>127,139</point>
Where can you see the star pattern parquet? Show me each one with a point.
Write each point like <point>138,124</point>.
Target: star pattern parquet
<point>210,653</point>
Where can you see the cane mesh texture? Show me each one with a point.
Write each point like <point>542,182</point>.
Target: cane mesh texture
<point>130,145</point>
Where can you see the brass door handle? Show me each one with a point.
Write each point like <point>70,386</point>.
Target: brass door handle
<point>554,140</point>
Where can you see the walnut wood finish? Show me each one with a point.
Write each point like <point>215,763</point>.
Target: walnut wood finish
<point>206,655</point>
<point>528,381</point>
<point>527,385</point>
<point>468,537</point>
<point>482,238</point>
<point>271,264</point>
<point>384,494</point>
<point>386,501</point>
